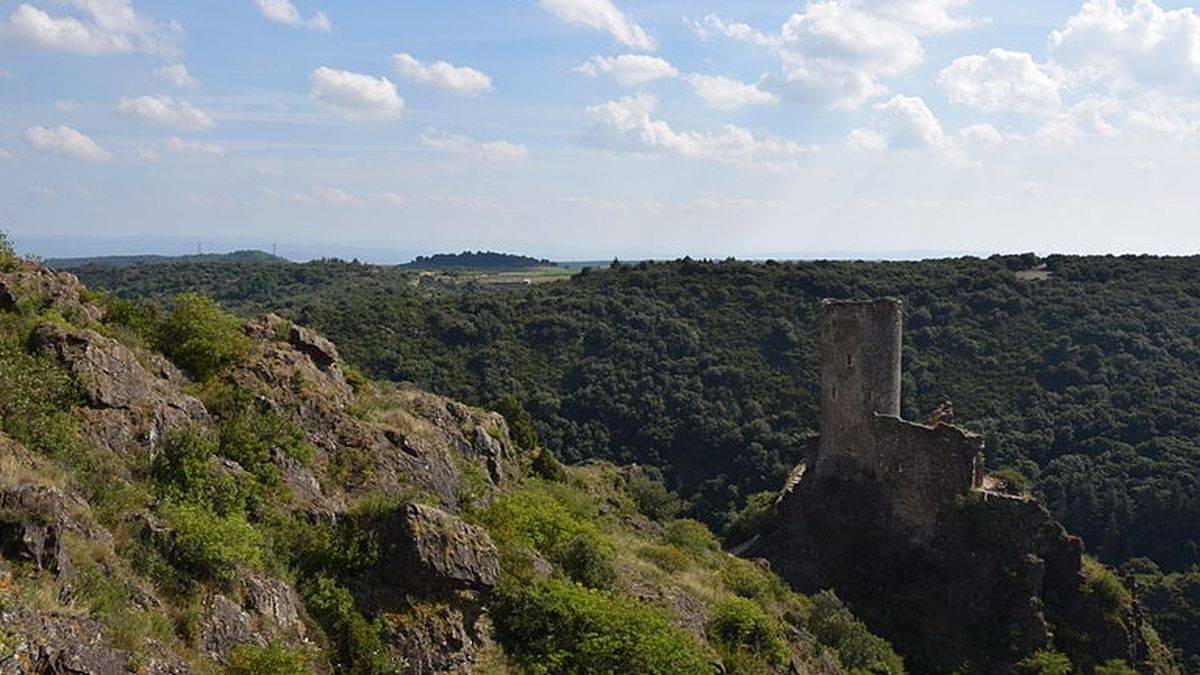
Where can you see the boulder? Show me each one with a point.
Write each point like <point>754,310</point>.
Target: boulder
<point>427,549</point>
<point>319,349</point>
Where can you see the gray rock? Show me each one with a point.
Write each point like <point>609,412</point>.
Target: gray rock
<point>427,549</point>
<point>320,350</point>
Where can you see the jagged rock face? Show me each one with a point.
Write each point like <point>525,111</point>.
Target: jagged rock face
<point>441,637</point>
<point>430,550</point>
<point>320,350</point>
<point>42,288</point>
<point>129,406</point>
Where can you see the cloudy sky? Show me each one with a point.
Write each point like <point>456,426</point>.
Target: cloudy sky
<point>584,129</point>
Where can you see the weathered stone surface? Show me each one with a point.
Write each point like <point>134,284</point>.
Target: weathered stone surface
<point>314,346</point>
<point>439,637</point>
<point>33,521</point>
<point>225,625</point>
<point>426,549</point>
<point>35,287</point>
<point>128,407</point>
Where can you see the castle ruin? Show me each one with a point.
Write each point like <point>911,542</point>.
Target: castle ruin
<point>923,467</point>
<point>894,516</point>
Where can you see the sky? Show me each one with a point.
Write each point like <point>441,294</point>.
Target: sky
<point>588,129</point>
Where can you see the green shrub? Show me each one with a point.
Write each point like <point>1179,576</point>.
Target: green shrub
<point>520,422</point>
<point>693,537</point>
<point>250,431</point>
<point>37,393</point>
<point>649,491</point>
<point>587,559</point>
<point>751,519</point>
<point>273,659</point>
<point>206,545</point>
<point>745,579</point>
<point>668,558</point>
<point>858,649</point>
<point>186,471</point>
<point>557,627</point>
<point>200,338</point>
<point>132,322</point>
<point>546,466</point>
<point>1115,667</point>
<point>109,600</point>
<point>748,640</point>
<point>1044,663</point>
<point>358,649</point>
<point>1101,583</point>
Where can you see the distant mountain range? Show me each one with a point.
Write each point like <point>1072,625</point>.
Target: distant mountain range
<point>131,260</point>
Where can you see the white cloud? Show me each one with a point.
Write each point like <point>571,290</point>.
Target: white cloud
<point>601,15</point>
<point>177,75</point>
<point>628,125</point>
<point>1087,117</point>
<point>390,198</point>
<point>459,80</point>
<point>285,12</point>
<point>838,53</point>
<point>629,69</point>
<point>1142,46</point>
<point>1147,168</point>
<point>101,27</point>
<point>5,155</point>
<point>180,146</point>
<point>468,147</point>
<point>906,123</point>
<point>723,93</point>
<point>67,142</point>
<point>64,105</point>
<point>354,95</point>
<point>323,196</point>
<point>1002,81</point>
<point>166,111</point>
<point>981,136</point>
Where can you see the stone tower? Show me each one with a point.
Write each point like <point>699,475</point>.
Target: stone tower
<point>860,372</point>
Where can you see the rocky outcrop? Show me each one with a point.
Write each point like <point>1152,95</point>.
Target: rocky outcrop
<point>320,350</point>
<point>428,550</point>
<point>33,287</point>
<point>129,406</point>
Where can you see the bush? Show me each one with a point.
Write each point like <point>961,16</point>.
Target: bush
<point>649,491</point>
<point>745,579</point>
<point>1102,584</point>
<point>546,466</point>
<point>1044,663</point>
<point>200,338</point>
<point>751,519</point>
<point>556,627</point>
<point>251,431</point>
<point>586,558</point>
<point>37,392</point>
<point>273,659</point>
<point>186,471</point>
<point>858,649</point>
<point>358,651</point>
<point>208,546</point>
<point>693,537</point>
<point>1115,667</point>
<point>748,640</point>
<point>520,423</point>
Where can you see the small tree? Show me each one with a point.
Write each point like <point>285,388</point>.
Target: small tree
<point>520,423</point>
<point>200,338</point>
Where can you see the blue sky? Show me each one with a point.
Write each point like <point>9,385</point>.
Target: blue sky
<point>585,129</point>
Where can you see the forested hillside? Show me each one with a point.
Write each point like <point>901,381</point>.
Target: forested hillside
<point>1083,377</point>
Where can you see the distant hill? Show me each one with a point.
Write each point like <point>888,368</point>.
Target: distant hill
<point>132,260</point>
<point>480,260</point>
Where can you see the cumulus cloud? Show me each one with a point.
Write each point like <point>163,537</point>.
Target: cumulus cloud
<point>629,69</point>
<point>322,196</point>
<point>355,96</point>
<point>1089,117</point>
<point>628,125</point>
<point>177,75</point>
<point>166,111</point>
<point>67,142</point>
<point>905,123</point>
<point>456,79</point>
<point>97,27</point>
<point>981,136</point>
<point>180,146</point>
<point>601,15</point>
<point>469,147</point>
<point>286,13</point>
<point>1143,45</point>
<point>723,93</point>
<point>838,53</point>
<point>1002,81</point>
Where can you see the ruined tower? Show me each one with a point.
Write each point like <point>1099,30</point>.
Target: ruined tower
<point>860,371</point>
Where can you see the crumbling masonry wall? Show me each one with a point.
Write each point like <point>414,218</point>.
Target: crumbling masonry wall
<point>921,468</point>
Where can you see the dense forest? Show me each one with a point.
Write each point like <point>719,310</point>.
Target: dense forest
<point>479,260</point>
<point>127,260</point>
<point>1082,376</point>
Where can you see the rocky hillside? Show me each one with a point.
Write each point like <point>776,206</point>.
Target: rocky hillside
<point>181,491</point>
